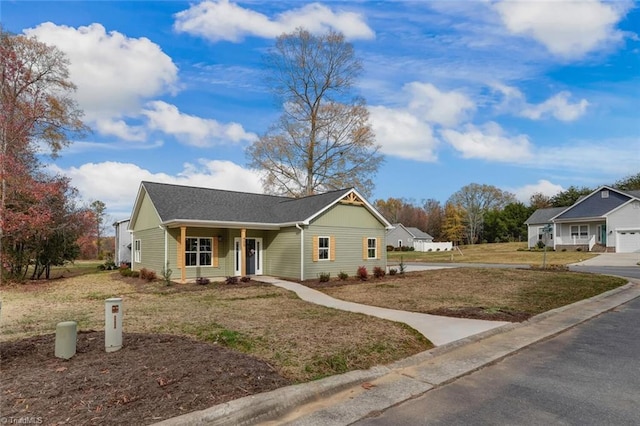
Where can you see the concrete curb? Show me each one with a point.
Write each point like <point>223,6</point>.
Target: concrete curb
<point>343,399</point>
<point>269,405</point>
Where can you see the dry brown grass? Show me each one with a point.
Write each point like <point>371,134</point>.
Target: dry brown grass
<point>506,253</point>
<point>515,290</point>
<point>301,340</point>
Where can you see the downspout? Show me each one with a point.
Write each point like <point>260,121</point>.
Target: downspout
<point>301,251</point>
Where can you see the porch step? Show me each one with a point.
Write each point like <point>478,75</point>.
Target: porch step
<point>599,248</point>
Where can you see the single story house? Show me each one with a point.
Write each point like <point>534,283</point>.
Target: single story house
<point>202,232</point>
<point>404,236</point>
<point>608,219</point>
<point>409,236</point>
<point>122,242</point>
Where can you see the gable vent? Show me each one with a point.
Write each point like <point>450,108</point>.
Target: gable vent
<point>604,193</point>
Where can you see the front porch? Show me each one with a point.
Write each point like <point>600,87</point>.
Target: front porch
<point>217,253</point>
<point>590,236</point>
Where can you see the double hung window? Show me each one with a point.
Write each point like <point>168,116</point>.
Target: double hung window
<point>198,251</point>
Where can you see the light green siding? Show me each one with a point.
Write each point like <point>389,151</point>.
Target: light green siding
<point>348,224</point>
<point>346,215</point>
<point>147,217</point>
<point>146,229</point>
<point>151,250</point>
<point>282,258</point>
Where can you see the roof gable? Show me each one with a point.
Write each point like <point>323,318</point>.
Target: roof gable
<point>597,204</point>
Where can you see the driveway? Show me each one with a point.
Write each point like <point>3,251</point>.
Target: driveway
<point>612,259</point>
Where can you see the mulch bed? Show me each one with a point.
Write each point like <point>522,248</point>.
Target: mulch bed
<point>152,378</point>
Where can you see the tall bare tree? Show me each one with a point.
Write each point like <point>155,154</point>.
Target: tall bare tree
<point>98,209</point>
<point>435,218</point>
<point>36,106</point>
<point>476,200</point>
<point>323,139</point>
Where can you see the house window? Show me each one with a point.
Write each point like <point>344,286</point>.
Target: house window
<point>323,248</point>
<point>399,243</point>
<point>198,252</point>
<point>579,231</point>
<point>371,248</point>
<point>137,250</point>
<point>541,234</point>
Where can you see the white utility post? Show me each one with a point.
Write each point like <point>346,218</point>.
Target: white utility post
<point>113,324</point>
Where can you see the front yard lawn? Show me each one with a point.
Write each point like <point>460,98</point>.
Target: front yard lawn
<point>505,253</point>
<point>187,347</point>
<point>491,293</point>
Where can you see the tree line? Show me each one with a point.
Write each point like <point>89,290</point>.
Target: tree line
<point>482,213</point>
<point>41,220</point>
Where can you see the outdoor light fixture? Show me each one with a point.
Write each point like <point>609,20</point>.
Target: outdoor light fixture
<point>219,237</point>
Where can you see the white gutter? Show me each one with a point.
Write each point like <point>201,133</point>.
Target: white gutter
<point>301,251</point>
<point>222,224</point>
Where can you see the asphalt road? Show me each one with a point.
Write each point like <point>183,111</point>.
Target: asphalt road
<point>621,271</point>
<point>589,375</point>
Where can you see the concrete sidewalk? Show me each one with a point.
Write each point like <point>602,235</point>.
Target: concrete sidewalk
<point>611,259</point>
<point>344,399</point>
<point>438,329</point>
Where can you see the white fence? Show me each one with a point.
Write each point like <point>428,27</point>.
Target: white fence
<point>425,246</point>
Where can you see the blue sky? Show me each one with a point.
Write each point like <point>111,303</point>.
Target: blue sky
<point>529,96</point>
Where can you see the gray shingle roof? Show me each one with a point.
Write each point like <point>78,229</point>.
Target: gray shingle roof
<point>544,215</point>
<point>177,202</point>
<point>417,233</point>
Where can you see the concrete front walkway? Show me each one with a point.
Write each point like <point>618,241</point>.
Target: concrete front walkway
<point>439,330</point>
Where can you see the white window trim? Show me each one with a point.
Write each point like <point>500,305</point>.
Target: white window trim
<point>197,252</point>
<point>137,250</point>
<point>579,232</point>
<point>374,248</point>
<point>327,248</point>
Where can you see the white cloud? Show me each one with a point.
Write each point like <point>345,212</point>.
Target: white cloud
<point>558,106</point>
<point>114,73</point>
<point>569,29</point>
<point>543,186</point>
<point>120,129</point>
<point>488,142</point>
<point>116,184</point>
<point>193,130</point>
<point>402,134</point>
<point>444,108</point>
<point>611,157</point>
<point>224,20</point>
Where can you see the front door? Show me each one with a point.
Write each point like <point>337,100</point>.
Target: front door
<point>252,258</point>
<point>602,234</point>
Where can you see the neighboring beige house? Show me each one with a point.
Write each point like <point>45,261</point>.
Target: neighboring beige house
<point>201,232</point>
<point>608,219</point>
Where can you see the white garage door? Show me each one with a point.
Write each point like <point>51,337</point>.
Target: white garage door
<point>628,241</point>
